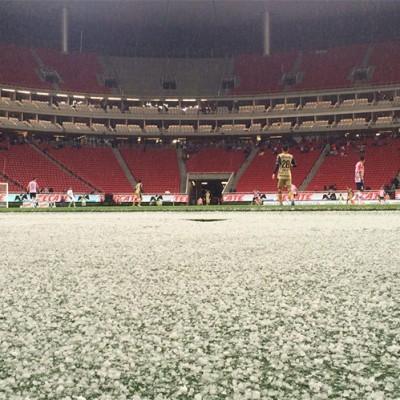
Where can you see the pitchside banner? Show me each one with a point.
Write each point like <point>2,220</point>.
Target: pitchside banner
<point>267,198</point>
<point>96,198</point>
<point>307,197</point>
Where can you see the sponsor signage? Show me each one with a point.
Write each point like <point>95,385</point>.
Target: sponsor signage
<point>307,197</point>
<point>369,197</point>
<point>148,198</point>
<point>94,198</point>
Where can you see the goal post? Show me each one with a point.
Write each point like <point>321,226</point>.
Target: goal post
<point>3,195</point>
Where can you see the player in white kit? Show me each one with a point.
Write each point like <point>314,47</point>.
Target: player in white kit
<point>32,188</point>
<point>71,197</point>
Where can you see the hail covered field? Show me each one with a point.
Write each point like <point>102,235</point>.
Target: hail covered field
<point>200,306</point>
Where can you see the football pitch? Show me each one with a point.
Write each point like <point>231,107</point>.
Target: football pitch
<point>212,208</point>
<point>200,305</point>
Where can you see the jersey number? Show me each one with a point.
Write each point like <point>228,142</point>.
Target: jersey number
<point>286,164</point>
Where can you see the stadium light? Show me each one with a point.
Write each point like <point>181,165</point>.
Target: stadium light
<point>96,98</point>
<point>78,96</point>
<point>114,98</point>
<point>131,99</point>
<point>42,94</point>
<point>24,91</point>
<point>188,99</point>
<point>171,99</point>
<point>61,95</point>
<point>8,90</point>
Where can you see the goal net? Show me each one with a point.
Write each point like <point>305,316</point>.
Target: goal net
<point>3,195</point>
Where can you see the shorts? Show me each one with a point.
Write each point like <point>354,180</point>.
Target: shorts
<point>360,185</point>
<point>32,195</point>
<point>284,182</point>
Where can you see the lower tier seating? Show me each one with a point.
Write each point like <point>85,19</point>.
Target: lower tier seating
<point>157,168</point>
<point>209,160</point>
<point>258,174</point>
<point>23,162</point>
<point>382,163</point>
<point>98,166</point>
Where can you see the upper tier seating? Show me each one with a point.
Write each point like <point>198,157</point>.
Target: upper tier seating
<point>19,68</point>
<point>318,70</point>
<point>99,166</point>
<point>251,74</point>
<point>80,72</point>
<point>260,74</point>
<point>329,69</point>
<point>209,160</point>
<point>386,58</point>
<point>22,162</point>
<point>157,168</point>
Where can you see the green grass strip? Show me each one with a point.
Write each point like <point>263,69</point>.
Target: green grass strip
<point>221,208</point>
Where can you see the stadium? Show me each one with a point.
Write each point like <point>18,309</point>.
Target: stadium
<point>209,290</point>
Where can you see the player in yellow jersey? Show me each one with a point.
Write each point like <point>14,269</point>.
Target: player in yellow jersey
<point>138,194</point>
<point>284,163</point>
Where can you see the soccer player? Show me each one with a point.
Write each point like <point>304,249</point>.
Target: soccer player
<point>284,162</point>
<point>208,197</point>
<point>32,188</point>
<point>257,197</point>
<point>359,174</point>
<point>294,190</point>
<point>138,194</point>
<point>71,197</point>
<point>382,193</point>
<point>350,196</point>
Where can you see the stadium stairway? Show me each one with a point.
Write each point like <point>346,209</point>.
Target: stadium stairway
<point>13,186</point>
<point>109,71</point>
<point>313,170</point>
<point>367,57</point>
<point>242,170</point>
<point>42,66</point>
<point>382,164</point>
<point>182,171</point>
<point>22,162</point>
<point>157,168</point>
<point>64,168</point>
<point>124,167</point>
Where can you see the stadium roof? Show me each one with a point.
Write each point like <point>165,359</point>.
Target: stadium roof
<point>193,12</point>
<point>164,21</point>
